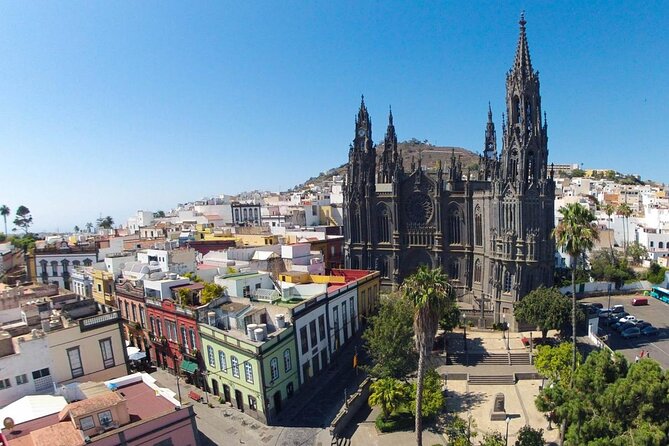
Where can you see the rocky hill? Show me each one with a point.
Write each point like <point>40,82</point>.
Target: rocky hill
<point>431,155</point>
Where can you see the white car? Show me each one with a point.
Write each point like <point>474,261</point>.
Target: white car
<point>629,318</point>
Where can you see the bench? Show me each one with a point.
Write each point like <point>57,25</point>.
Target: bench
<point>194,396</point>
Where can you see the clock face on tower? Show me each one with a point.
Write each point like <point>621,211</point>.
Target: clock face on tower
<point>362,132</point>
<point>419,208</point>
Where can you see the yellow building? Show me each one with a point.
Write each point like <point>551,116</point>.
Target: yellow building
<point>103,287</point>
<point>215,234</point>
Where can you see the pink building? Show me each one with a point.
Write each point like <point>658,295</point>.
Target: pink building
<point>130,410</point>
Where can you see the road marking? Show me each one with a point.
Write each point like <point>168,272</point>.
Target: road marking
<point>654,345</point>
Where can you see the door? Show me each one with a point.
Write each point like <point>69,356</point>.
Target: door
<point>240,400</point>
<point>226,393</point>
<point>214,386</point>
<point>277,402</point>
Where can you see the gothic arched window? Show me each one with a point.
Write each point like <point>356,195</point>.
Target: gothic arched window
<point>477,271</point>
<point>508,279</point>
<point>478,227</point>
<point>383,266</point>
<point>528,117</point>
<point>516,110</point>
<point>355,224</point>
<point>454,222</point>
<point>530,166</point>
<point>383,221</point>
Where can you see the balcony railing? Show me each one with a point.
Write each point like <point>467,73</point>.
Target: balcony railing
<point>101,320</point>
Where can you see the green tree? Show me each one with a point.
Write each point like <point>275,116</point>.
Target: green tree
<point>577,173</point>
<point>89,227</point>
<point>450,317</point>
<point>389,393</point>
<point>610,175</point>
<point>460,431</point>
<point>609,210</point>
<point>554,363</point>
<point>637,252</point>
<point>545,308</point>
<point>493,439</point>
<point>530,437</point>
<point>106,222</point>
<point>159,214</point>
<point>193,277</point>
<point>25,242</point>
<point>433,397</point>
<point>610,266</point>
<point>625,210</point>
<point>389,339</point>
<point>76,229</point>
<point>5,211</point>
<point>210,292</point>
<point>575,234</point>
<point>429,291</point>
<point>23,219</point>
<point>655,273</point>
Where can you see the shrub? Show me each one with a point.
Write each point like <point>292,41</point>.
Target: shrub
<point>396,422</point>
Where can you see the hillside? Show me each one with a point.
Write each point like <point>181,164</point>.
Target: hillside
<point>410,149</point>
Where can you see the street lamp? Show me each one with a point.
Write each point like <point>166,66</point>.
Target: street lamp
<point>506,440</point>
<point>176,372</point>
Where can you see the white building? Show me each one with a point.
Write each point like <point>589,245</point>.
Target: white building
<point>180,261</point>
<point>142,218</point>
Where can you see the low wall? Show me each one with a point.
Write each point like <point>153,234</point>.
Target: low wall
<point>602,288</point>
<point>350,408</point>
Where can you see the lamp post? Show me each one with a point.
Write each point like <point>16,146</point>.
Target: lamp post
<point>504,327</point>
<point>506,438</point>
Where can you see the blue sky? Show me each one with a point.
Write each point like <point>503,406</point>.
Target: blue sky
<point>110,107</point>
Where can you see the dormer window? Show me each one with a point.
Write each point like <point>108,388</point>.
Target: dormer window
<point>86,423</point>
<point>105,418</point>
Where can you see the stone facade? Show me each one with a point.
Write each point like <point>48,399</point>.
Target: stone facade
<point>489,230</point>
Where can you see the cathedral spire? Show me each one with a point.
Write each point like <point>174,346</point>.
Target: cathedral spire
<point>522,64</point>
<point>389,154</point>
<point>490,145</point>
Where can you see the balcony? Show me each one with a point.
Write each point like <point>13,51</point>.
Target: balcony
<point>101,320</point>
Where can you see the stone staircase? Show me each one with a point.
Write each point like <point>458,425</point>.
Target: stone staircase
<point>487,380</point>
<point>485,358</point>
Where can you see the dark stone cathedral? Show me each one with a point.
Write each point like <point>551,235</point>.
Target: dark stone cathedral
<point>489,229</point>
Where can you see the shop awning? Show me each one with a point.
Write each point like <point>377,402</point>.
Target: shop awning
<point>188,366</point>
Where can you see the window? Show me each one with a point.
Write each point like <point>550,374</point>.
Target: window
<point>184,339</point>
<point>290,389</point>
<point>76,367</point>
<point>351,313</point>
<point>274,368</point>
<point>99,288</point>
<point>142,317</point>
<point>508,278</point>
<point>321,327</point>
<point>303,340</point>
<point>223,364</point>
<point>478,227</point>
<point>248,372</point>
<point>171,328</point>
<point>134,313</point>
<point>86,423</point>
<point>335,319</point>
<point>454,227</point>
<point>105,418</point>
<point>107,352</point>
<point>286,360</point>
<point>21,379</point>
<point>477,271</point>
<point>235,366</point>
<point>159,325</point>
<point>192,338</point>
<point>253,403</point>
<point>5,383</point>
<point>312,333</point>
<point>127,310</point>
<point>660,245</point>
<point>37,374</point>
<point>210,355</point>
<point>652,244</point>
<point>152,324</point>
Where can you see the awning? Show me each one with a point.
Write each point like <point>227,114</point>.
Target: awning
<point>188,367</point>
<point>137,356</point>
<point>131,350</point>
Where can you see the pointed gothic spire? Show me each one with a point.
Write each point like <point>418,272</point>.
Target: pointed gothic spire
<point>489,112</point>
<point>522,64</point>
<point>390,115</point>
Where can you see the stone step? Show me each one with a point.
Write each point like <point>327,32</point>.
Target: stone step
<point>491,380</point>
<point>520,359</point>
<point>478,358</point>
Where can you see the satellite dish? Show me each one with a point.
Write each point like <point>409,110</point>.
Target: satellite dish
<point>8,423</point>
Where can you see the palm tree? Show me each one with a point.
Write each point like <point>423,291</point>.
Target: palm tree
<point>575,234</point>
<point>106,223</point>
<point>5,211</point>
<point>389,393</point>
<point>609,210</point>
<point>89,227</point>
<point>77,229</point>
<point>429,291</point>
<point>625,210</point>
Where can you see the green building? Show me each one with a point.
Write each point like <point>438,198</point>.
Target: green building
<point>249,353</point>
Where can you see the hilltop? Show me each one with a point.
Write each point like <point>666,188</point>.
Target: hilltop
<point>431,155</point>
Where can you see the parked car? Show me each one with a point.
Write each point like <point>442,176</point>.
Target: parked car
<point>615,317</point>
<point>604,312</point>
<point>628,318</point>
<point>632,332</point>
<point>597,305</point>
<point>622,326</point>
<point>618,309</point>
<point>650,331</point>
<point>642,324</point>
<point>640,301</point>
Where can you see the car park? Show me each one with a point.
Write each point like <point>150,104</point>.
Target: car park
<point>622,326</point>
<point>618,309</point>
<point>632,332</point>
<point>650,331</point>
<point>637,301</point>
<point>597,305</point>
<point>642,324</point>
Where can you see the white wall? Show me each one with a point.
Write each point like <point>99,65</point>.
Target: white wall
<point>32,355</point>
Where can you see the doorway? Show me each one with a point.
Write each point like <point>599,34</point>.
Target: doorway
<point>226,393</point>
<point>214,386</point>
<point>240,400</point>
<point>277,402</point>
